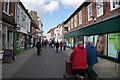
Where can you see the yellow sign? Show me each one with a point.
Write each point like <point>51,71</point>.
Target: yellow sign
<point>114,39</point>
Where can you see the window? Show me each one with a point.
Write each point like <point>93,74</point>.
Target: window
<point>68,25</point>
<point>71,22</point>
<point>6,6</point>
<point>18,11</point>
<point>99,7</point>
<point>114,4</point>
<point>89,12</point>
<point>75,21</point>
<point>80,17</point>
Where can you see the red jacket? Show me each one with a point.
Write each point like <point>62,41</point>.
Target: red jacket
<point>78,58</point>
<point>61,44</point>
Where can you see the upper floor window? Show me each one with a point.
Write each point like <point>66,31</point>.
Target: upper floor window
<point>75,21</point>
<point>18,11</point>
<point>89,12</point>
<point>6,6</point>
<point>114,4</point>
<point>68,25</point>
<point>71,22</point>
<point>99,7</point>
<point>80,17</point>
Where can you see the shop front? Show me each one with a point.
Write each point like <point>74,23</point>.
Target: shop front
<point>7,37</point>
<point>19,42</point>
<point>105,36</point>
<point>105,44</point>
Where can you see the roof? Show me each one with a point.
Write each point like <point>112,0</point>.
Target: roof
<point>52,30</point>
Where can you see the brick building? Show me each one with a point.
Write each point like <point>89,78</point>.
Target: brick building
<point>33,31</point>
<point>96,21</point>
<point>7,25</point>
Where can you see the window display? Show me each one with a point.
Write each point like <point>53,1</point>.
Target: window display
<point>101,44</point>
<point>113,44</point>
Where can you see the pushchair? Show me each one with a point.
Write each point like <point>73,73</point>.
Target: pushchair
<point>68,72</point>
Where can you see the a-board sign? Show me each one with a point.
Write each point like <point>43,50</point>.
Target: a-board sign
<point>7,55</point>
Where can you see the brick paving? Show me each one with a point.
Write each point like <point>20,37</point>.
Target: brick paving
<point>50,65</point>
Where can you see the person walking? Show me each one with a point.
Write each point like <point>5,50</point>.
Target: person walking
<point>91,60</point>
<point>64,45</point>
<point>57,46</point>
<point>79,62</point>
<point>61,44</point>
<point>38,46</point>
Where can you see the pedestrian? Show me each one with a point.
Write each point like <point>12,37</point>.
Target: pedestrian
<point>91,60</point>
<point>79,62</point>
<point>61,44</point>
<point>51,44</point>
<point>43,43</point>
<point>57,46</point>
<point>38,46</point>
<point>64,45</point>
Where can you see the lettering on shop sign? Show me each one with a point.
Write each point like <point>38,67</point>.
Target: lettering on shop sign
<point>7,55</point>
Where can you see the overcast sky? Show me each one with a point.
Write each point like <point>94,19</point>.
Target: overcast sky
<point>52,12</point>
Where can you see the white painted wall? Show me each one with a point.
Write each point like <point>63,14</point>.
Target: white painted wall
<point>24,25</point>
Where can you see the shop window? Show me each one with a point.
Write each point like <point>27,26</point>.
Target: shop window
<point>89,12</point>
<point>113,44</point>
<point>99,7</point>
<point>76,41</point>
<point>6,6</point>
<point>101,44</point>
<point>80,17</point>
<point>114,4</point>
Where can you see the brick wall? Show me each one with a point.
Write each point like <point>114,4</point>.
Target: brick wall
<point>11,16</point>
<point>106,13</point>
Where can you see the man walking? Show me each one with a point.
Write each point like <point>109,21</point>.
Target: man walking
<point>38,46</point>
<point>91,60</point>
<point>57,46</point>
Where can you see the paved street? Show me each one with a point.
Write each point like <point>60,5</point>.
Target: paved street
<point>50,65</point>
